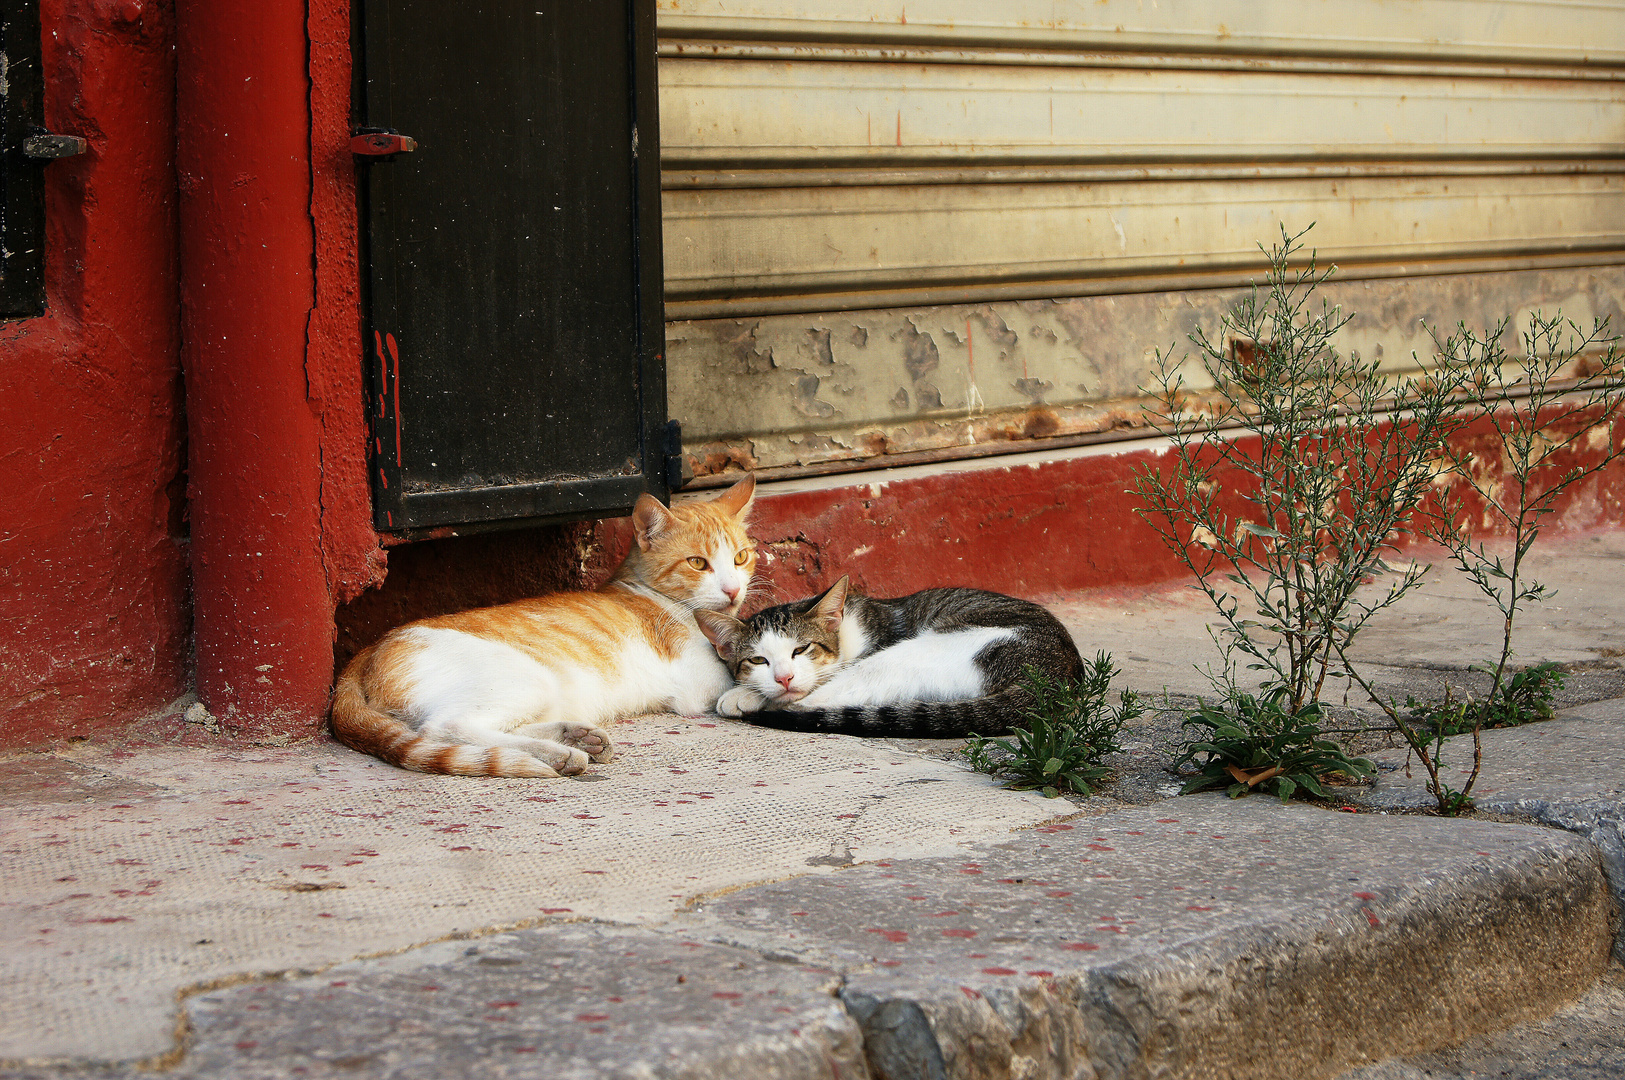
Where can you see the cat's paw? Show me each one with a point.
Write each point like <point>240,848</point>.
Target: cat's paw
<point>586,741</point>
<point>592,741</point>
<point>739,701</point>
<point>816,698</point>
<point>563,760</point>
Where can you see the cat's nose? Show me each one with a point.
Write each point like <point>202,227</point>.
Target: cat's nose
<point>731,592</point>
<point>784,680</point>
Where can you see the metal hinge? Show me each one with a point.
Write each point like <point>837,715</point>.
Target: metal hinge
<point>380,143</point>
<point>44,146</point>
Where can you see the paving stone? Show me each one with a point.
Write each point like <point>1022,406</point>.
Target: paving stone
<point>571,1002</point>
<point>1202,937</point>
<point>139,873</point>
<point>1567,773</point>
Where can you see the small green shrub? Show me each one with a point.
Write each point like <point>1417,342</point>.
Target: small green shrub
<point>1259,742</point>
<point>1327,484</point>
<point>1523,698</point>
<point>1063,735</point>
<point>1526,697</point>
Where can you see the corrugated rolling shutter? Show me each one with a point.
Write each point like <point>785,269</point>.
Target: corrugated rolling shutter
<point>936,227</point>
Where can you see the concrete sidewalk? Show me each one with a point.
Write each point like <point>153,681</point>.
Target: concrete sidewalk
<point>728,901</point>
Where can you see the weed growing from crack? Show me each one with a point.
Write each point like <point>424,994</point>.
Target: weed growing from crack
<point>1327,482</point>
<point>1257,743</point>
<point>1565,393</point>
<point>1063,735</point>
<point>1334,464</point>
<point>1326,485</point>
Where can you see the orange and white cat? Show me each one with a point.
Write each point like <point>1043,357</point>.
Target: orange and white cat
<point>522,689</point>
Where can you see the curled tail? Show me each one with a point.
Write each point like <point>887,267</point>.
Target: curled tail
<point>990,715</point>
<point>360,726</point>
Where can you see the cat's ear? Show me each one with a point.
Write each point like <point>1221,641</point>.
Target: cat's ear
<point>737,499</point>
<point>829,608</point>
<point>723,631</point>
<point>649,520</point>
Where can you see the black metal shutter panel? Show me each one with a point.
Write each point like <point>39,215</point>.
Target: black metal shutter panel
<point>22,185</point>
<point>511,326</point>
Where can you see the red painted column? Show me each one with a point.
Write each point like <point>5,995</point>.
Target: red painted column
<point>263,610</point>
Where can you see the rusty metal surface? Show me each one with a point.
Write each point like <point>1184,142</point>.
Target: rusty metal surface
<point>912,231</point>
<point>864,387</point>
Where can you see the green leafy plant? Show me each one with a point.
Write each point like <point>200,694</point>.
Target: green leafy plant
<point>1065,732</point>
<point>1327,483</point>
<point>1261,743</point>
<point>1525,697</point>
<point>1561,396</point>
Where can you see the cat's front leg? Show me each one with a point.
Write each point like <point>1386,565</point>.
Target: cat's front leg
<point>738,701</point>
<point>590,739</point>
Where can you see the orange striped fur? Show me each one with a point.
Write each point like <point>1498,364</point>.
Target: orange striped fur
<point>523,689</point>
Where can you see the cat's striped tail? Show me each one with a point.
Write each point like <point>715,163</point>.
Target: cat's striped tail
<point>360,726</point>
<point>990,715</point>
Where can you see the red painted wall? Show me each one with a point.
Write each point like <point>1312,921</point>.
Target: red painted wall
<point>1034,530</point>
<point>271,345</point>
<point>93,593</point>
<point>117,473</point>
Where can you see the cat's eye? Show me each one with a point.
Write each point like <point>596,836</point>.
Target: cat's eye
<point>739,559</point>
<point>801,650</point>
<point>698,563</point>
<point>757,660</point>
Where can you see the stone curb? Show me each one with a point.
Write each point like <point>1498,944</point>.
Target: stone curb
<point>1196,938</point>
<point>1567,773</point>
<point>1356,938</point>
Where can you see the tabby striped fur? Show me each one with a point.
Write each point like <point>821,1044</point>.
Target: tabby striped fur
<point>942,663</point>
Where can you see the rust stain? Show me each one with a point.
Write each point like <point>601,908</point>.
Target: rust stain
<point>1040,423</point>
<point>913,441</point>
<point>395,386</point>
<point>715,458</point>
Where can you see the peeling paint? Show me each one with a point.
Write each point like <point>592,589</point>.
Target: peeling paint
<point>920,359</point>
<point>820,345</point>
<point>867,385</point>
<point>804,396</point>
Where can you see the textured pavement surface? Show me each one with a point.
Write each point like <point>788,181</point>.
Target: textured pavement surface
<point>728,901</point>
<point>132,875</point>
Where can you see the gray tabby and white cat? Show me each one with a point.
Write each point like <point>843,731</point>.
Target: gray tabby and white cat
<point>941,663</point>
